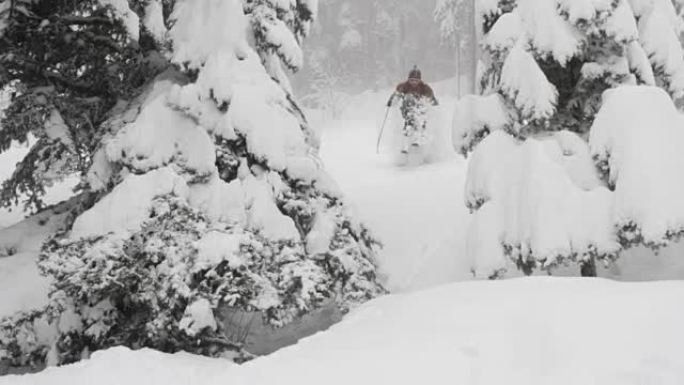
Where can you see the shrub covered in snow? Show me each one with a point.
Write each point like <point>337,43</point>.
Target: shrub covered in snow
<point>210,194</point>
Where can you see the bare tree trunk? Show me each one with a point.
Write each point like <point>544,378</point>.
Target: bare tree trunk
<point>459,66</point>
<point>474,47</point>
<point>401,58</point>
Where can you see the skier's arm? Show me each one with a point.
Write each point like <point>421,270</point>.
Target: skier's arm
<point>433,99</point>
<point>391,99</point>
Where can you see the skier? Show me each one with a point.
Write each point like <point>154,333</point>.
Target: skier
<point>416,96</point>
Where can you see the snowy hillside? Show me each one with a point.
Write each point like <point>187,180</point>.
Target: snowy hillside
<point>416,212</point>
<point>534,331</point>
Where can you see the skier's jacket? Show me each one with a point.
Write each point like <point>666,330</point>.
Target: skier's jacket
<point>414,88</point>
<point>411,91</point>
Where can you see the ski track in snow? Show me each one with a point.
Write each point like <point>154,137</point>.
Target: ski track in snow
<point>417,212</point>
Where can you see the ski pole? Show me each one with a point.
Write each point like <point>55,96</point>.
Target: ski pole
<point>377,146</point>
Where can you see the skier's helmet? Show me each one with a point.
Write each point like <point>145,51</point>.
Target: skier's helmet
<point>415,73</point>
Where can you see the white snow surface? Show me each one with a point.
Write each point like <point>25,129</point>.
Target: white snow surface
<point>547,31</point>
<point>639,133</point>
<point>525,331</point>
<point>416,212</point>
<point>126,208</point>
<point>542,196</point>
<point>204,27</point>
<point>154,19</point>
<point>524,82</point>
<point>160,135</point>
<point>198,316</point>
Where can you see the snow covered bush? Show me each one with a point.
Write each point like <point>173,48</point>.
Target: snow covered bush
<point>551,60</point>
<point>208,191</point>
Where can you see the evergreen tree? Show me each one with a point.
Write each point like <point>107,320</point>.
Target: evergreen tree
<point>202,186</point>
<point>533,186</point>
<point>551,61</point>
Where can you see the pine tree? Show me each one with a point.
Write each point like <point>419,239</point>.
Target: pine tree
<point>202,185</point>
<point>547,66</point>
<point>551,61</point>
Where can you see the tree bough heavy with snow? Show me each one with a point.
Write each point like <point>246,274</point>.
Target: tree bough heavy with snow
<point>550,61</point>
<point>556,74</point>
<point>202,186</point>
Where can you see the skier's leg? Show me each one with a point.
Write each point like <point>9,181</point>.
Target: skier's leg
<point>406,136</point>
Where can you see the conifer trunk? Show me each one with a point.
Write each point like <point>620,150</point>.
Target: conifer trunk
<point>588,268</point>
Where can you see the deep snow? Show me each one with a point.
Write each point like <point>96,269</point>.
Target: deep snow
<point>526,331</point>
<point>417,212</point>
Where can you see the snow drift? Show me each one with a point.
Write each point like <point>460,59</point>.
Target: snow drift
<point>527,331</point>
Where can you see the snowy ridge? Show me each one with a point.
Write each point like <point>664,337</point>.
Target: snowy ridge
<point>526,331</point>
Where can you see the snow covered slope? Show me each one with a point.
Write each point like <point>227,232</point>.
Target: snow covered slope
<point>417,212</point>
<point>534,331</point>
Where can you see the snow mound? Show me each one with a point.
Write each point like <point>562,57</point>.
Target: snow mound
<point>123,366</point>
<point>636,139</point>
<point>128,205</point>
<point>526,331</point>
<point>539,199</point>
<point>161,136</point>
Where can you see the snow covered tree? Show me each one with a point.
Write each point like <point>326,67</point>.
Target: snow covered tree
<point>550,67</point>
<point>202,185</point>
<point>551,60</point>
<point>66,64</point>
